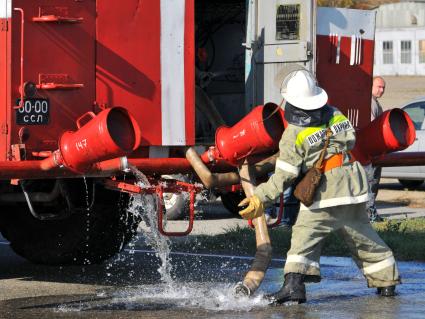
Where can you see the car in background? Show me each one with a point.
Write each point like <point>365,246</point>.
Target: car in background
<point>411,176</point>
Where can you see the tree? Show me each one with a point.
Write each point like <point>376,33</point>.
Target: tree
<point>335,3</point>
<point>356,4</point>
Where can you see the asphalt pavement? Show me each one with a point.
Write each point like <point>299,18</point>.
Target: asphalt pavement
<point>129,285</point>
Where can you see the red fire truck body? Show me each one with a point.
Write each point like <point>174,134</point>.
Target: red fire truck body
<point>89,55</point>
<point>180,68</point>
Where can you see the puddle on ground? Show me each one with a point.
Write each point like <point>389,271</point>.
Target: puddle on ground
<point>202,288</point>
<point>182,296</point>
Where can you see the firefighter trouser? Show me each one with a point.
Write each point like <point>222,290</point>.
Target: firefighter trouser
<point>371,254</point>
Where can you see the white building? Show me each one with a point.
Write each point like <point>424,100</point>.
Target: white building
<point>400,39</point>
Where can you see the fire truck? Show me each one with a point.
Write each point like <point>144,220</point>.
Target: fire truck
<point>89,88</point>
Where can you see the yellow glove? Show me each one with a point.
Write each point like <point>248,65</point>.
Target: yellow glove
<point>255,207</point>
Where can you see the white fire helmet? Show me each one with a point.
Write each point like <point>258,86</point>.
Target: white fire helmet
<point>300,89</point>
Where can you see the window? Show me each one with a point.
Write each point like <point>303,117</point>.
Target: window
<point>416,112</point>
<point>421,51</point>
<point>288,22</point>
<point>406,52</point>
<point>387,52</point>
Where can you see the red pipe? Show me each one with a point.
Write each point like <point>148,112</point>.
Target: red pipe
<point>400,159</point>
<point>110,134</point>
<point>46,169</point>
<point>21,169</point>
<point>174,166</point>
<point>49,168</point>
<point>392,131</point>
<point>257,133</point>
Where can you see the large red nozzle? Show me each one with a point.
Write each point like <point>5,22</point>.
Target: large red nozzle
<point>258,132</point>
<point>111,133</point>
<point>392,131</point>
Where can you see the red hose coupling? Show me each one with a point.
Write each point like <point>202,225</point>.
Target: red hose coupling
<point>211,155</point>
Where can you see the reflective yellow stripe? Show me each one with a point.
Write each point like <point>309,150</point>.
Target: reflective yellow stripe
<point>337,119</point>
<point>307,132</point>
<point>311,130</point>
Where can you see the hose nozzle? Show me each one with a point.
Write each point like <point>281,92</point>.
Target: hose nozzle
<point>240,290</point>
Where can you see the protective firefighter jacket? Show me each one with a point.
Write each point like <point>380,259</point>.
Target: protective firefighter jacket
<point>300,147</point>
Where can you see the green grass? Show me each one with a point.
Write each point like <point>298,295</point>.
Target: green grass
<point>405,237</point>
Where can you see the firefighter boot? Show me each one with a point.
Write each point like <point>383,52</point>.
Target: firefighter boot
<point>386,291</point>
<point>293,290</point>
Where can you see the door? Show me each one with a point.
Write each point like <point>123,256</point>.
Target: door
<point>345,52</point>
<point>5,110</point>
<point>58,54</point>
<point>283,41</point>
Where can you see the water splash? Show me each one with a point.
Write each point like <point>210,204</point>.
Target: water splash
<point>207,296</point>
<point>88,213</point>
<point>193,296</point>
<point>145,206</point>
<point>168,291</point>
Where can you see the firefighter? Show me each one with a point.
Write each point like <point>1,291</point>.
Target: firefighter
<point>340,199</point>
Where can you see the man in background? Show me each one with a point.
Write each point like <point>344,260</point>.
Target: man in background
<point>374,172</point>
<point>378,89</point>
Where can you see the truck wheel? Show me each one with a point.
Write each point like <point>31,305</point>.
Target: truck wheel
<point>176,204</point>
<point>85,237</point>
<point>411,184</point>
<point>231,200</point>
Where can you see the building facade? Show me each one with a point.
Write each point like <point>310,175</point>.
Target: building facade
<point>400,39</point>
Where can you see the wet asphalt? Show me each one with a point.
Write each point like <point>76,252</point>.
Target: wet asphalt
<point>129,287</point>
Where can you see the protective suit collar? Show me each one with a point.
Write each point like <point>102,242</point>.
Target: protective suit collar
<point>306,118</point>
